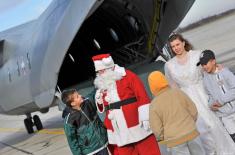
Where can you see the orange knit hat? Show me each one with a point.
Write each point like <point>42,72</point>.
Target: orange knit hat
<point>157,82</point>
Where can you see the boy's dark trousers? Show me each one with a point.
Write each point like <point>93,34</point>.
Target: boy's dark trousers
<point>103,152</point>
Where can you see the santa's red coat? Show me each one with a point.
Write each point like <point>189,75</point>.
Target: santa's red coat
<point>124,125</point>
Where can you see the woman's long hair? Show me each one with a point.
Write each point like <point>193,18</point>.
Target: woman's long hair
<point>188,46</point>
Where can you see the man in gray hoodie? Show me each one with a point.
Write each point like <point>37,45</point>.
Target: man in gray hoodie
<point>219,83</point>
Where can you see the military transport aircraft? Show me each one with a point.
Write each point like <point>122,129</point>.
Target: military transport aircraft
<point>53,52</point>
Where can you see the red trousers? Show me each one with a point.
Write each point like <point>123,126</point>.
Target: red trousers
<point>147,146</point>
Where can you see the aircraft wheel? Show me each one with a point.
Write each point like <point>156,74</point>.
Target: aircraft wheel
<point>37,122</point>
<point>28,125</point>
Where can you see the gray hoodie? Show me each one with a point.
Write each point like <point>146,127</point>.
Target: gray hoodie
<point>220,87</point>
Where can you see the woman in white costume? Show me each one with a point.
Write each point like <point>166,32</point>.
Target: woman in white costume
<point>182,72</point>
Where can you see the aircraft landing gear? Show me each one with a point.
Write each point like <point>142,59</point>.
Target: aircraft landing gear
<point>29,122</point>
<point>37,122</point>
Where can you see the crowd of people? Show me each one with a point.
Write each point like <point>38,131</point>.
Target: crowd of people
<point>192,112</point>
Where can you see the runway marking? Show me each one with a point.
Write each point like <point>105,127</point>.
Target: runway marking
<point>15,148</point>
<point>51,132</point>
<point>59,131</point>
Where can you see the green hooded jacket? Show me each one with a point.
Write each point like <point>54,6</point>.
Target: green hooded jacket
<point>84,130</point>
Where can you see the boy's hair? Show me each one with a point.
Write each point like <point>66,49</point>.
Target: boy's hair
<point>65,96</point>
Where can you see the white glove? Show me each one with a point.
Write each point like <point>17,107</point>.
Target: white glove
<point>145,125</point>
<point>99,96</point>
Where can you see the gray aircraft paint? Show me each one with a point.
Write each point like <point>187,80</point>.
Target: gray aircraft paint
<point>32,53</point>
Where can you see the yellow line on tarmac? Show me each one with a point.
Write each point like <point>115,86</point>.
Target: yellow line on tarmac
<point>58,131</point>
<point>52,132</point>
<point>10,130</point>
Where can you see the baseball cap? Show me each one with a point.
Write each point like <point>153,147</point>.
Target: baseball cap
<point>206,56</point>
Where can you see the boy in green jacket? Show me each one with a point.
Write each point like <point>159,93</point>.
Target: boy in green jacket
<point>83,128</point>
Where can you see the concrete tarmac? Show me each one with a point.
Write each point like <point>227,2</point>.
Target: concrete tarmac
<point>219,36</point>
<point>14,140</point>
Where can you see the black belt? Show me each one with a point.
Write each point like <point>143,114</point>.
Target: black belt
<point>117,105</point>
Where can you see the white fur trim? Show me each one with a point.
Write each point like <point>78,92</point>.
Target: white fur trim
<point>120,70</point>
<point>107,61</point>
<point>110,115</point>
<point>144,112</point>
<point>97,107</point>
<point>123,135</point>
<point>104,63</point>
<point>94,152</point>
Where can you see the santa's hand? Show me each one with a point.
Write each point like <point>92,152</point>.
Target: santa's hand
<point>145,125</point>
<point>98,97</point>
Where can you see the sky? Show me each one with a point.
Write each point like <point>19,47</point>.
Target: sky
<point>16,12</point>
<point>205,8</point>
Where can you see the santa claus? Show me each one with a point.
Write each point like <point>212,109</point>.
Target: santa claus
<point>122,96</point>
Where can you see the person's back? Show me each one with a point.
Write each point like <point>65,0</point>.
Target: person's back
<point>173,116</point>
<point>83,128</point>
<point>179,122</point>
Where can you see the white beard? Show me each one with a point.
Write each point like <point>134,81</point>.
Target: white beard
<point>107,80</point>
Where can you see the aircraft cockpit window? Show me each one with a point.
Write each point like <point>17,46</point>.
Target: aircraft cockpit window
<point>1,52</point>
<point>114,34</point>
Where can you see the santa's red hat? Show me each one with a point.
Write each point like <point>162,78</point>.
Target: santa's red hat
<point>102,61</point>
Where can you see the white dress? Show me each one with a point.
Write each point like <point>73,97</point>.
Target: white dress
<point>188,77</point>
